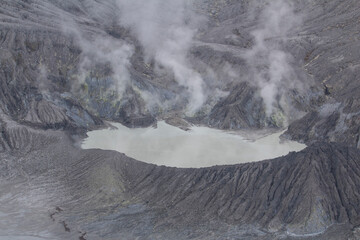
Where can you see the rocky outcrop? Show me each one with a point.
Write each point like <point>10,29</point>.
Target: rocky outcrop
<point>330,58</point>
<point>41,67</point>
<point>241,109</point>
<point>333,122</point>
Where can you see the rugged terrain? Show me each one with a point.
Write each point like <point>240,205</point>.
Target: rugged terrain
<point>50,188</point>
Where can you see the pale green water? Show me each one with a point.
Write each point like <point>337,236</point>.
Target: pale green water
<point>200,147</point>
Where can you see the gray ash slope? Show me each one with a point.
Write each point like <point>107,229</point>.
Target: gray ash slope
<point>107,195</point>
<point>314,193</point>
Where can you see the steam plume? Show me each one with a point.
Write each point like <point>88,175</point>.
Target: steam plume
<point>166,30</point>
<point>271,69</point>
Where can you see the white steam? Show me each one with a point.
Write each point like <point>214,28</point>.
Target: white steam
<point>110,51</point>
<point>271,69</point>
<point>166,30</point>
<point>42,79</point>
<point>106,51</point>
<point>99,49</point>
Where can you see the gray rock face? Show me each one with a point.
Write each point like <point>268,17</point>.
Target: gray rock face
<point>321,47</point>
<point>108,195</point>
<point>49,96</point>
<point>290,193</point>
<point>332,62</point>
<point>238,110</point>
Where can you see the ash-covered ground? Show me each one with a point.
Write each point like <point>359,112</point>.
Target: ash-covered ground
<point>66,66</point>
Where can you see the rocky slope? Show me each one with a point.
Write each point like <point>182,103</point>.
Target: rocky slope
<point>50,95</point>
<point>331,60</point>
<point>43,59</point>
<point>108,195</point>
